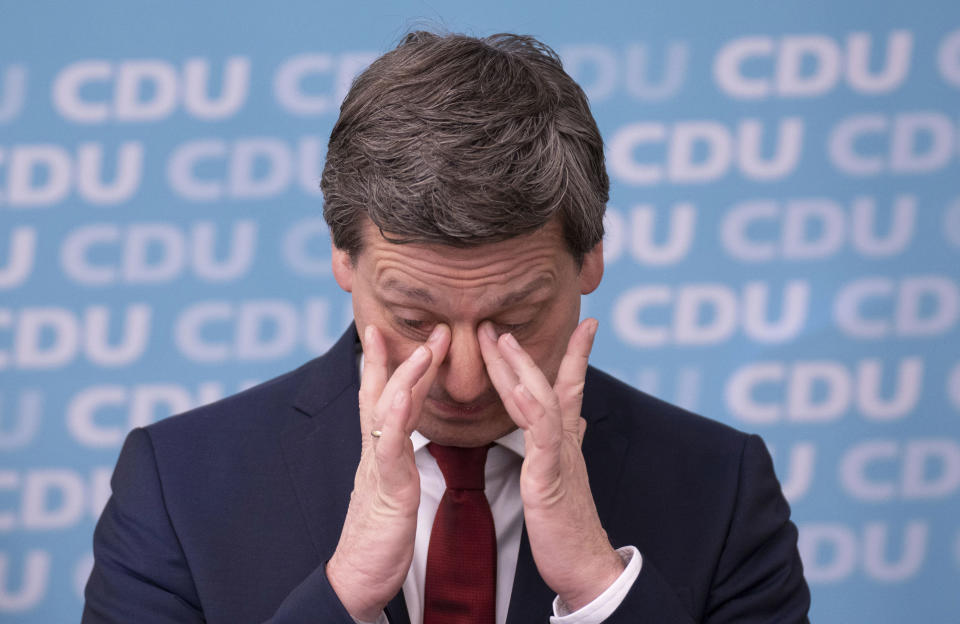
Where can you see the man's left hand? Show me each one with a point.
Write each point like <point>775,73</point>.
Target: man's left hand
<point>570,547</point>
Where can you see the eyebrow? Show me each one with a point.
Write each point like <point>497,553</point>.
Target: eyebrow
<point>423,295</point>
<point>519,295</point>
<point>409,292</point>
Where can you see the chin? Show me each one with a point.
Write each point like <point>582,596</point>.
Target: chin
<point>465,432</point>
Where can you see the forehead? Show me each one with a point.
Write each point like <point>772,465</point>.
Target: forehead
<point>490,272</point>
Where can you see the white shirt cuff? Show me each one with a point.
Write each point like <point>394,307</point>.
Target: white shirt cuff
<point>603,606</point>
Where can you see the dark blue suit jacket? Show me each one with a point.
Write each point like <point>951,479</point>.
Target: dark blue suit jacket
<point>228,513</point>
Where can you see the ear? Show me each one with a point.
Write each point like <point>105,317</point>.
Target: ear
<point>343,267</point>
<point>591,272</point>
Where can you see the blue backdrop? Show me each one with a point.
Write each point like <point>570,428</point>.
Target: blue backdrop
<point>783,247</point>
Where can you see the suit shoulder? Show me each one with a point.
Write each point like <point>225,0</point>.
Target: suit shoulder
<point>639,412</point>
<point>257,407</point>
<point>307,388</point>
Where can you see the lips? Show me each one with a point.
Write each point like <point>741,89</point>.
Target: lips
<point>456,410</point>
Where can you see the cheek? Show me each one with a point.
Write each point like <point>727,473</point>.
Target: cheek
<point>399,347</point>
<point>548,347</point>
<point>546,353</point>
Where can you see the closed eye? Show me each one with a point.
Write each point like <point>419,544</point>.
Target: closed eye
<point>421,326</point>
<point>415,326</point>
<point>510,328</point>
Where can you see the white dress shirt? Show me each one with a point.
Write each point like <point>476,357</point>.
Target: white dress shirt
<point>502,487</point>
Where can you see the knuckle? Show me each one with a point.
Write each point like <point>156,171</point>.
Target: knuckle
<point>553,403</point>
<point>573,392</point>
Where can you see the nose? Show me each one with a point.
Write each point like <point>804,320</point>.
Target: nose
<point>463,375</point>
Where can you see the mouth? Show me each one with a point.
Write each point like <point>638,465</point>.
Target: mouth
<point>460,411</point>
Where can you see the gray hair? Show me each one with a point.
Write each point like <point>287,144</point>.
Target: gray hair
<point>462,141</point>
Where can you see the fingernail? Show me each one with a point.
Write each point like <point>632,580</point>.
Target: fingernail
<point>511,341</point>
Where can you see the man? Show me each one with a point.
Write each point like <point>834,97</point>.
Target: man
<point>464,188</point>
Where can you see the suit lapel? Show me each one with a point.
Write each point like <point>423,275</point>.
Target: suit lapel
<point>321,444</point>
<point>603,450</point>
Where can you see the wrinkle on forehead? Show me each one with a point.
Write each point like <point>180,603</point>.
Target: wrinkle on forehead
<point>407,292</point>
<point>496,290</point>
<point>495,274</point>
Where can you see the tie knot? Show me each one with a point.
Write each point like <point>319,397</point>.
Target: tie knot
<point>462,468</point>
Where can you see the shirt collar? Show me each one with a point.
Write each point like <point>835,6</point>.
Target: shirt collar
<point>513,441</point>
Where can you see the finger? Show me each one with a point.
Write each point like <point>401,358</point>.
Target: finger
<point>543,433</point>
<point>375,370</point>
<point>501,374</point>
<point>404,377</point>
<point>527,372</point>
<point>393,440</point>
<point>439,344</point>
<point>392,413</point>
<point>573,369</point>
<point>374,375</point>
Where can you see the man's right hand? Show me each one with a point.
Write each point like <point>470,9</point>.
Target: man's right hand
<point>376,544</point>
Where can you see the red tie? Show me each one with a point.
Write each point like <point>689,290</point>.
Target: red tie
<point>461,580</point>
